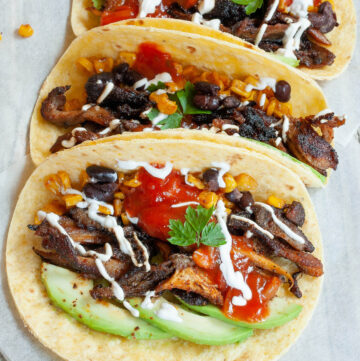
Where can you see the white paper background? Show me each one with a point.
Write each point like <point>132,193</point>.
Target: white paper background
<point>334,332</point>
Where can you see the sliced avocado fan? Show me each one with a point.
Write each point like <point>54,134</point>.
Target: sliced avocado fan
<point>280,314</point>
<point>71,292</point>
<point>192,327</point>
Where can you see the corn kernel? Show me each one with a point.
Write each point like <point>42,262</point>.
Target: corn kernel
<point>26,31</point>
<point>72,199</point>
<point>251,80</point>
<point>117,207</point>
<point>178,68</point>
<point>53,183</point>
<point>102,65</point>
<point>127,57</point>
<point>125,219</point>
<point>121,177</point>
<point>119,195</point>
<point>230,183</point>
<point>84,178</point>
<point>54,206</point>
<point>227,203</point>
<point>172,86</point>
<point>245,182</point>
<point>85,64</point>
<point>195,181</point>
<point>208,199</point>
<point>271,107</point>
<point>228,211</point>
<point>276,202</point>
<point>238,87</point>
<point>65,179</point>
<point>164,104</point>
<point>104,210</point>
<point>133,182</point>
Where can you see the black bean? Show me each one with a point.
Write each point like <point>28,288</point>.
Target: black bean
<point>234,196</point>
<point>245,201</point>
<point>101,174</point>
<point>120,71</point>
<point>230,102</point>
<point>206,102</point>
<point>282,91</point>
<point>203,87</point>
<point>210,177</point>
<point>100,191</point>
<point>131,77</point>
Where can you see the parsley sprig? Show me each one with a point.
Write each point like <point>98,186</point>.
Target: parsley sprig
<point>196,229</point>
<point>251,5</point>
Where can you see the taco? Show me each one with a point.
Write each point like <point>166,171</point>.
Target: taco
<point>164,250</point>
<point>316,35</point>
<point>123,79</point>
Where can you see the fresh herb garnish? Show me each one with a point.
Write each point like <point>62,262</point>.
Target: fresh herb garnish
<point>186,96</point>
<point>196,229</point>
<point>251,5</point>
<point>98,4</point>
<point>155,87</point>
<point>170,122</point>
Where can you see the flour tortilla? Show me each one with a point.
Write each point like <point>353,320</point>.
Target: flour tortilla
<point>74,341</point>
<point>343,37</point>
<point>206,53</point>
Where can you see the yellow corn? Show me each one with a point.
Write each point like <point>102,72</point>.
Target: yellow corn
<point>117,207</point>
<point>230,183</point>
<point>238,87</point>
<point>103,64</point>
<point>72,199</point>
<point>245,182</point>
<point>164,104</point>
<point>121,177</point>
<point>208,199</point>
<point>276,202</point>
<point>227,203</point>
<point>84,178</point>
<point>54,206</point>
<point>196,182</point>
<point>65,179</point>
<point>190,72</point>
<point>127,57</point>
<point>133,182</point>
<point>271,107</point>
<point>26,31</point>
<point>178,67</point>
<point>104,210</point>
<point>119,195</point>
<point>228,211</point>
<point>172,86</point>
<point>125,219</point>
<point>85,64</point>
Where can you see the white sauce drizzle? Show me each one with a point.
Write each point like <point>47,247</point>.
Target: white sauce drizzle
<point>264,26</point>
<point>147,7</point>
<point>162,77</point>
<point>262,100</point>
<point>107,90</point>
<point>323,112</point>
<point>229,126</point>
<point>248,234</point>
<point>206,6</point>
<point>113,124</point>
<point>260,34</point>
<point>87,107</point>
<point>262,230</point>
<point>133,220</point>
<point>159,118</point>
<point>185,173</point>
<point>223,168</point>
<point>300,7</point>
<point>72,141</point>
<point>198,19</point>
<point>184,204</point>
<point>131,309</point>
<point>146,303</point>
<point>262,84</point>
<point>161,173</point>
<point>278,141</point>
<point>232,278</point>
<point>168,312</point>
<point>281,225</point>
<point>285,128</point>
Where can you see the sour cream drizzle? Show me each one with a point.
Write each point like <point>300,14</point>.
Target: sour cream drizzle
<point>264,26</point>
<point>198,19</point>
<point>247,220</point>
<point>185,173</point>
<point>184,204</point>
<point>113,124</point>
<point>146,303</point>
<point>107,90</point>
<point>144,82</point>
<point>168,312</point>
<point>229,126</point>
<point>72,141</point>
<point>232,278</point>
<point>223,168</point>
<point>285,128</point>
<point>161,173</point>
<point>262,84</point>
<point>280,224</point>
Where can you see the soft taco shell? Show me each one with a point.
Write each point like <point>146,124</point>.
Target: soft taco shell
<point>343,37</point>
<point>73,341</point>
<point>210,54</point>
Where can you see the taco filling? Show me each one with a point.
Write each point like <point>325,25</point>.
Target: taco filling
<point>148,91</point>
<point>295,29</point>
<point>153,231</point>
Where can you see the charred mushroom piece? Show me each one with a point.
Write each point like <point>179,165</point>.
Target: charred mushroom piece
<point>325,19</point>
<point>295,213</point>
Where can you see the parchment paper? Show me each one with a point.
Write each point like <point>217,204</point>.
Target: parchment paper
<point>334,332</point>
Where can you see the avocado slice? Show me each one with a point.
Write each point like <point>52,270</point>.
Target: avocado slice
<point>70,292</point>
<point>194,327</point>
<point>280,313</point>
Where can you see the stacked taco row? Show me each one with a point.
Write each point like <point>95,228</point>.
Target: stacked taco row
<point>168,213</point>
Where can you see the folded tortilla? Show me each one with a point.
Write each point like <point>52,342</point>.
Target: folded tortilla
<point>343,37</point>
<point>73,341</point>
<point>307,97</point>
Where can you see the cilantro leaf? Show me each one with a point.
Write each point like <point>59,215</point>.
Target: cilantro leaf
<point>170,122</point>
<point>212,235</point>
<point>155,87</point>
<point>98,4</point>
<point>181,234</point>
<point>196,229</point>
<point>251,5</point>
<point>185,97</point>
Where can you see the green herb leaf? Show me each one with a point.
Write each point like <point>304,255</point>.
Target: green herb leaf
<point>181,234</point>
<point>170,122</point>
<point>155,87</point>
<point>98,4</point>
<point>251,5</point>
<point>212,235</point>
<point>185,97</point>
<point>196,229</point>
